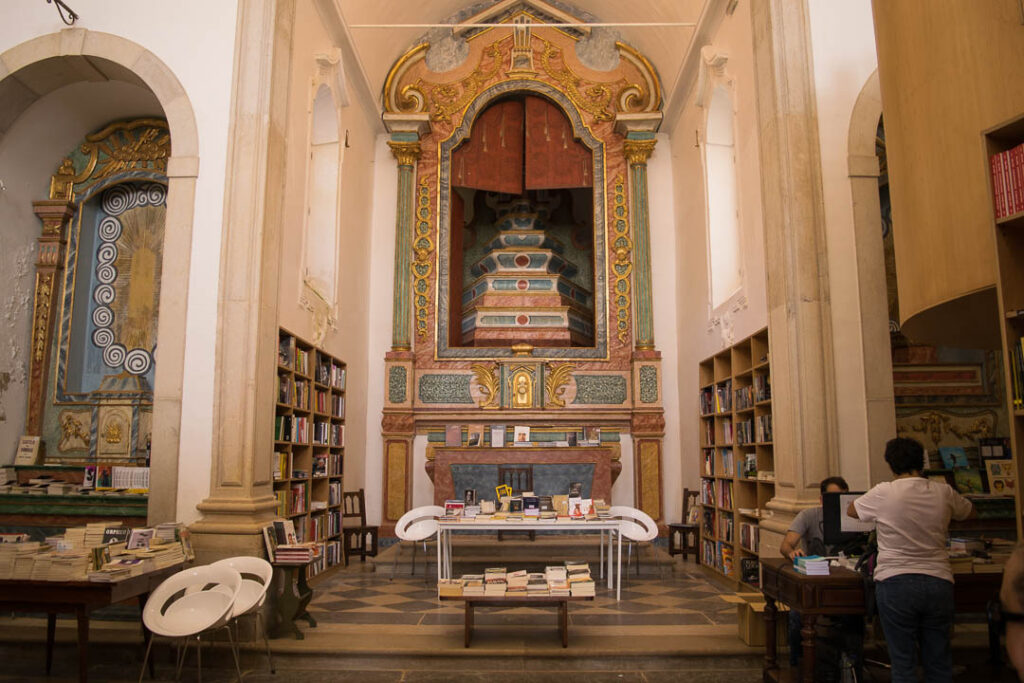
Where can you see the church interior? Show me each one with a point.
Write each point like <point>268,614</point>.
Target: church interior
<point>334,261</point>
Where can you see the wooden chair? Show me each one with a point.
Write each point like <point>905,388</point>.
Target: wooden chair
<point>688,532</point>
<point>358,539</point>
<point>519,479</point>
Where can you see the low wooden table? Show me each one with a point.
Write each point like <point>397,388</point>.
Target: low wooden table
<point>842,592</point>
<point>562,601</point>
<point>79,598</point>
<point>291,602</point>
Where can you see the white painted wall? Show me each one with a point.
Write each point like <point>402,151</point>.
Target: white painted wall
<point>29,154</point>
<point>843,46</point>
<point>195,39</point>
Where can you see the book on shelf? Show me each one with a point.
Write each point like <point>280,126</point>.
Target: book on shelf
<point>521,435</point>
<point>475,435</point>
<point>707,491</point>
<point>750,466</point>
<point>744,397</point>
<point>749,536</point>
<point>723,396</point>
<point>762,388</point>
<point>453,435</point>
<point>497,436</point>
<point>727,462</point>
<point>750,571</point>
<point>591,436</point>
<point>709,462</point>
<point>727,432</point>
<point>285,345</point>
<point>707,401</point>
<point>28,450</point>
<point>1007,172</point>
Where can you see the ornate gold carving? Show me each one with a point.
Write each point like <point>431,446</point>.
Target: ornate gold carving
<point>452,97</point>
<point>521,385</point>
<point>556,381</point>
<point>594,98</point>
<point>62,182</point>
<point>423,262</point>
<point>521,63</point>
<point>112,432</point>
<point>638,97</point>
<point>44,287</point>
<point>936,425</point>
<point>522,349</point>
<point>622,266</point>
<point>405,152</point>
<point>487,382</point>
<point>74,429</point>
<point>126,150</point>
<point>413,102</point>
<point>638,151</point>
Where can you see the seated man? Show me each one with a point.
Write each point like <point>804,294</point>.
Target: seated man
<point>806,537</point>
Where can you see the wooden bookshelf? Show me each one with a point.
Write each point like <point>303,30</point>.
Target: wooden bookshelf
<point>1009,242</point>
<point>737,466</point>
<point>309,445</point>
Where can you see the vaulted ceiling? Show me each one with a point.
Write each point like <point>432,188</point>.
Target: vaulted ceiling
<point>666,46</point>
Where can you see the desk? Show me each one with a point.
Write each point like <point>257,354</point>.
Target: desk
<point>611,526</point>
<point>520,601</point>
<point>842,592</point>
<point>80,598</point>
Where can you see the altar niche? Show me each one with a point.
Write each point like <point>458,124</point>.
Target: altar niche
<point>522,237</point>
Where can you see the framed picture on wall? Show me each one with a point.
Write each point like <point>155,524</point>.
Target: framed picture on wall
<point>1002,478</point>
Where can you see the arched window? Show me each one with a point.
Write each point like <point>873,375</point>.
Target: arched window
<point>321,244</point>
<point>724,258</point>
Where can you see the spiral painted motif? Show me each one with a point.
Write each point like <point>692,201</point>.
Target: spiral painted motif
<point>155,194</point>
<point>118,199</point>
<point>103,295</point>
<point>102,316</point>
<point>110,229</point>
<point>107,253</point>
<point>106,273</point>
<point>114,355</point>
<point>102,337</point>
<point>138,361</point>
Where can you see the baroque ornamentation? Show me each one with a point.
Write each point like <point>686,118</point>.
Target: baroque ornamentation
<point>44,287</point>
<point>450,98</point>
<point>594,98</point>
<point>406,153</point>
<point>445,389</point>
<point>487,383</point>
<point>120,147</point>
<point>397,383</point>
<point>648,384</point>
<point>936,425</point>
<point>622,266</point>
<point>556,381</point>
<point>601,389</point>
<point>638,151</point>
<point>423,261</point>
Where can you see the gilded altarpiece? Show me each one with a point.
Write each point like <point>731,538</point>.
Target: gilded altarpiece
<point>432,379</point>
<point>97,293</point>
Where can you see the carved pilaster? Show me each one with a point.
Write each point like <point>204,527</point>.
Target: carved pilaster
<point>638,148</point>
<point>55,216</point>
<point>406,153</point>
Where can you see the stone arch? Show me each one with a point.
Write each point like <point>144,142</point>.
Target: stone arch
<point>863,172</point>
<point>182,171</point>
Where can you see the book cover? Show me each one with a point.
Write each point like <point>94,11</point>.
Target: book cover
<point>139,538</point>
<point>475,435</point>
<point>89,478</point>
<point>270,541</point>
<point>28,450</point>
<point>953,457</point>
<point>968,480</point>
<point>497,436</point>
<point>1002,479</point>
<point>104,476</point>
<point>115,534</point>
<point>522,435</point>
<point>592,436</point>
<point>453,435</point>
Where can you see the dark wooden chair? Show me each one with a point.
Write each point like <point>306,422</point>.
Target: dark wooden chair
<point>688,532</point>
<point>519,479</point>
<point>358,539</point>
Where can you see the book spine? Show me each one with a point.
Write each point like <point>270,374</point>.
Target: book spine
<point>997,184</point>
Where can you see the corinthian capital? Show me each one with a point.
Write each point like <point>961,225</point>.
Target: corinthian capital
<point>638,151</point>
<point>405,152</point>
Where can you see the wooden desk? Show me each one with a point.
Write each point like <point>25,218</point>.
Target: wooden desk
<point>842,592</point>
<point>292,597</point>
<point>79,598</point>
<point>562,601</point>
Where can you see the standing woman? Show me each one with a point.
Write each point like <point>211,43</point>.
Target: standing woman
<point>913,578</point>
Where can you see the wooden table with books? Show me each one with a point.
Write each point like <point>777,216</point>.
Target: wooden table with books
<point>562,601</point>
<point>79,598</point>
<point>842,592</point>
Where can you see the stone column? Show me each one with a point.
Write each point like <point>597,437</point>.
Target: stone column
<point>803,388</point>
<point>638,147</point>
<point>406,149</point>
<point>55,214</point>
<point>241,498</point>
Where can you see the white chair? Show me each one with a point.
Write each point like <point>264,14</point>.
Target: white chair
<point>189,603</point>
<point>256,575</point>
<point>637,527</point>
<point>418,526</point>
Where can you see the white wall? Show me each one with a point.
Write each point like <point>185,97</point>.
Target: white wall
<point>195,39</point>
<point>843,45</point>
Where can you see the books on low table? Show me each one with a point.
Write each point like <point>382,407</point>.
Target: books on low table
<point>811,565</point>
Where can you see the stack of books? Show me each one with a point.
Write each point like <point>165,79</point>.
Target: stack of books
<point>449,588</point>
<point>537,584</point>
<point>515,582</point>
<point>472,585</point>
<point>10,552</point>
<point>295,553</point>
<point>580,583</point>
<point>70,565</point>
<point>94,532</point>
<point>811,565</point>
<point>495,582</point>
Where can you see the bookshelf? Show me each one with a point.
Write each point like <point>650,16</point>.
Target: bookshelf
<point>737,465</point>
<point>309,445</point>
<point>1006,194</point>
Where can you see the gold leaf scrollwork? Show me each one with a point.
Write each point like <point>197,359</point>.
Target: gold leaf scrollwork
<point>596,98</point>
<point>141,145</point>
<point>622,265</point>
<point>423,258</point>
<point>42,316</point>
<point>406,153</point>
<point>487,381</point>
<point>556,382</point>
<point>638,151</point>
<point>448,98</point>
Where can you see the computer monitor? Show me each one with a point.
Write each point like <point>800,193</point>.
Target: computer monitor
<point>838,528</point>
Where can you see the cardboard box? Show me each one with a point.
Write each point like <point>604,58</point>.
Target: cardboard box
<point>750,618</point>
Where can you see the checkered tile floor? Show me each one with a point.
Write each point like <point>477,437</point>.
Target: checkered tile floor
<point>682,597</point>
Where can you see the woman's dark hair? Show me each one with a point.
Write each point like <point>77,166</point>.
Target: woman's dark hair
<point>838,481</point>
<point>904,456</point>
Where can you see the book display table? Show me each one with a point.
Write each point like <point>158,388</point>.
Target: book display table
<point>842,592</point>
<point>608,528</point>
<point>79,598</point>
<point>561,601</point>
<point>291,597</point>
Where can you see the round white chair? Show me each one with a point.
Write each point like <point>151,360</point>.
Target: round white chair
<point>190,603</point>
<point>256,575</point>
<point>417,526</point>
<point>637,527</point>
